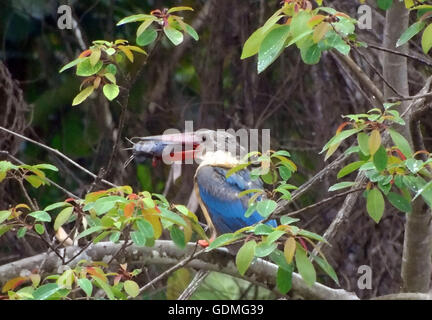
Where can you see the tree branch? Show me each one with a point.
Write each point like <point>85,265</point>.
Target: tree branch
<point>165,252</point>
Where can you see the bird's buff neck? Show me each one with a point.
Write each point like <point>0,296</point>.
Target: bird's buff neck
<point>219,159</point>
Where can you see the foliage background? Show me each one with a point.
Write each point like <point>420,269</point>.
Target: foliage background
<point>202,81</point>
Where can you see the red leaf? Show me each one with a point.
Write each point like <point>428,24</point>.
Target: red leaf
<point>129,209</point>
<point>203,243</point>
<point>303,243</point>
<point>14,283</point>
<point>85,53</point>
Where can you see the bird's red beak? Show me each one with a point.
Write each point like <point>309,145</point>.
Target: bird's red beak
<point>169,147</point>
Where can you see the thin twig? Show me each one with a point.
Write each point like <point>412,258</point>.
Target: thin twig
<point>412,57</point>
<point>67,192</point>
<point>313,206</point>
<point>59,154</point>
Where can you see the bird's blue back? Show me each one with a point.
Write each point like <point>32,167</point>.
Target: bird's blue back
<point>220,196</point>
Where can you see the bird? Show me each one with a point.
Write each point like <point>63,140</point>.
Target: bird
<point>217,152</point>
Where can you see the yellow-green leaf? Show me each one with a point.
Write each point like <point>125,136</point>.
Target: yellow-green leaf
<point>289,249</point>
<point>95,56</point>
<point>427,39</point>
<point>304,266</point>
<point>131,288</point>
<point>175,9</point>
<point>245,256</point>
<point>143,26</point>
<point>63,217</point>
<point>84,94</point>
<point>127,53</point>
<point>375,204</point>
<point>374,141</point>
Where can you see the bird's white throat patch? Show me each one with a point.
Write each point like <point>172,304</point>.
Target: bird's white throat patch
<point>219,158</point>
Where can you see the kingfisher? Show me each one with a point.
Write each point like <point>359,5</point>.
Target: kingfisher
<point>218,195</point>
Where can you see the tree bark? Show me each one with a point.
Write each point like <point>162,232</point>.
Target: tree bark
<point>165,252</point>
<point>416,260</point>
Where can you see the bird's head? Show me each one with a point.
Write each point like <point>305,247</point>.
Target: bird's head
<point>205,147</point>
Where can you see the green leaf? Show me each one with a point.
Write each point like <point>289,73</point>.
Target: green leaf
<point>411,32</point>
<point>40,229</point>
<point>84,94</point>
<point>304,266</point>
<point>63,217</point>
<point>21,232</point>
<point>284,280</point>
<point>350,168</point>
<point>327,268</point>
<point>341,185</point>
<point>72,64</point>
<point>86,286</point>
<point>4,214</point>
<point>45,166</point>
<point>147,37</point>
<point>103,205</point>
<point>4,229</point>
<point>385,4</point>
<point>95,56</point>
<point>175,9</point>
<point>237,168</point>
<point>263,249</point>
<point>344,26</point>
<point>35,181</point>
<point>341,136</point>
<point>245,256</point>
<point>115,236</point>
<point>311,235</point>
<point>375,204</point>
<point>105,287</point>
<point>311,55</point>
<point>177,236</point>
<point>89,231</point>
<point>57,205</point>
<point>272,46</point>
<point>427,39</point>
<point>110,51</point>
<point>86,69</point>
<point>131,288</point>
<point>111,68</point>
<point>380,159</point>
<point>399,202</point>
<point>401,143</point>
<point>299,23</point>
<point>111,91</point>
<point>145,228</point>
<point>45,291</point>
<point>138,238</point>
<point>134,18</point>
<point>414,165</point>
<point>175,36</point>
<point>263,229</point>
<point>143,26</point>
<point>266,207</point>
<point>172,217</point>
<point>110,77</point>
<point>41,216</point>
<point>288,220</point>
<point>363,142</point>
<point>253,43</point>
<point>224,240</point>
<point>191,31</point>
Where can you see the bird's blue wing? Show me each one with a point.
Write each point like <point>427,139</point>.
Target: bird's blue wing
<point>220,196</point>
